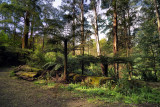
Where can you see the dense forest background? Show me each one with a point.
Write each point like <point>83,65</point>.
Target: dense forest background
<point>66,40</point>
<point>131,28</point>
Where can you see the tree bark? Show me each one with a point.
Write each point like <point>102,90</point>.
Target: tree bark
<point>65,61</point>
<point>158,17</point>
<point>26,31</point>
<point>104,68</point>
<point>73,27</point>
<point>82,32</point>
<point>115,36</point>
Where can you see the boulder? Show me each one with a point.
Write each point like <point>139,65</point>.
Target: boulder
<point>89,80</point>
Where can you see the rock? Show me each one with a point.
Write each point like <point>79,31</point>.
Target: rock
<point>89,80</point>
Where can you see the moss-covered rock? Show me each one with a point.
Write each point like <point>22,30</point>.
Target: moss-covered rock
<point>89,80</point>
<point>28,73</point>
<point>27,68</point>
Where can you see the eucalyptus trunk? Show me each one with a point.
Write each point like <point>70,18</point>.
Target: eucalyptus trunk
<point>115,36</point>
<point>157,15</point>
<point>73,27</point>
<point>82,32</point>
<point>26,31</point>
<point>104,68</point>
<point>65,61</point>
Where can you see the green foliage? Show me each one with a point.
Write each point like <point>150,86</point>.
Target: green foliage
<point>126,92</point>
<point>4,39</point>
<point>51,84</point>
<point>37,59</point>
<point>94,70</point>
<point>12,73</point>
<point>49,65</point>
<point>40,82</point>
<point>146,53</point>
<point>52,56</point>
<point>54,61</point>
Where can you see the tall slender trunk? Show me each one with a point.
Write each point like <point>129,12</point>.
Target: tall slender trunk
<point>115,36</point>
<point>73,27</point>
<point>158,17</point>
<point>129,66</point>
<point>104,68</point>
<point>65,61</point>
<point>96,30</point>
<point>26,31</point>
<point>82,32</point>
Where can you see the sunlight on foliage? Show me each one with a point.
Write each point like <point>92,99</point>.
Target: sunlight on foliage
<point>135,96</point>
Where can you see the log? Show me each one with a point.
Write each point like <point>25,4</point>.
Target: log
<point>28,73</point>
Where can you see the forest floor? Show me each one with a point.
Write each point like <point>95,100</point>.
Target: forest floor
<point>21,93</point>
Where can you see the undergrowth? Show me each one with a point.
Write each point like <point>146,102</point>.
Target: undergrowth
<point>45,83</point>
<point>138,95</point>
<point>12,73</point>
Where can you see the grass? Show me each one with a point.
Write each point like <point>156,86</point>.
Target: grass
<point>45,83</point>
<point>40,82</point>
<point>134,96</point>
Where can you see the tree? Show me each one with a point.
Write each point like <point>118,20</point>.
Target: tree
<point>115,36</point>
<point>82,31</point>
<point>157,15</point>
<point>94,6</point>
<point>147,40</point>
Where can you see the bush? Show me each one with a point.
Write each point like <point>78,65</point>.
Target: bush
<point>12,73</point>
<point>37,59</point>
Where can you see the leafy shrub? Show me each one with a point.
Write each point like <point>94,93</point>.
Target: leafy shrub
<point>49,65</point>
<point>3,38</point>
<point>37,59</point>
<point>12,73</point>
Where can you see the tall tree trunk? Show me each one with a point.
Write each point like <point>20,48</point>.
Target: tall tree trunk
<point>65,61</point>
<point>73,27</point>
<point>82,32</point>
<point>26,31</point>
<point>115,36</point>
<point>158,17</point>
<point>96,31</point>
<point>104,68</point>
<point>129,42</point>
